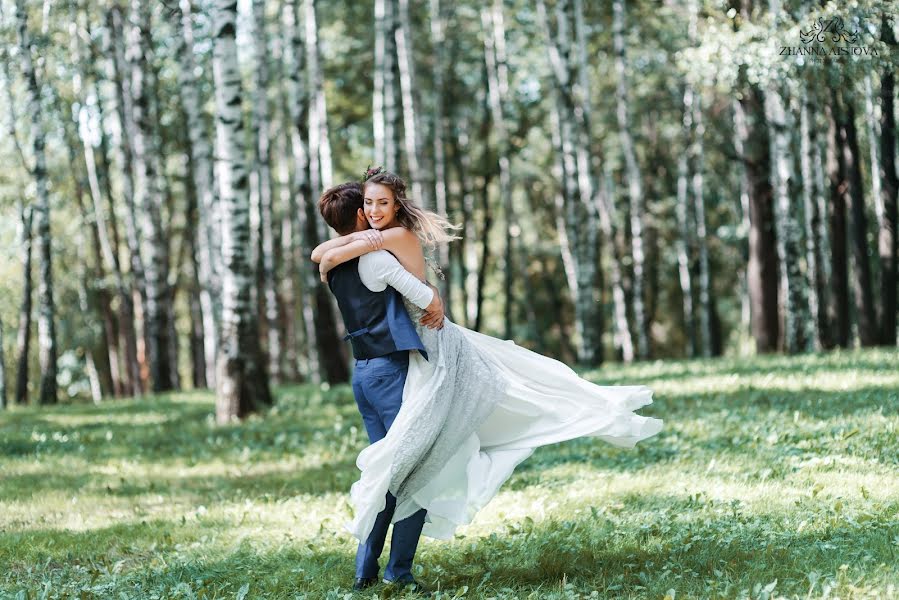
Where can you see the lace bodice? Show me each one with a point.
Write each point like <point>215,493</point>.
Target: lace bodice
<point>465,390</point>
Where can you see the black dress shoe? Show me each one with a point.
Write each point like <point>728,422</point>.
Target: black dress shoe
<point>408,584</point>
<point>364,582</point>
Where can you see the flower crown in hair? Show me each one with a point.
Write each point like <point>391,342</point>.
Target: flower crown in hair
<point>371,172</point>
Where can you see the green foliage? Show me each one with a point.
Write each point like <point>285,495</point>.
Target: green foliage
<point>773,478</point>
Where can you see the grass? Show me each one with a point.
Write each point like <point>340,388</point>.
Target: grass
<point>774,477</point>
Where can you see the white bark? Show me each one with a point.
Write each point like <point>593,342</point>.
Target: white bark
<point>634,179</point>
<point>384,99</point>
<point>41,212</point>
<point>242,385</point>
<point>413,126</point>
<point>208,240</point>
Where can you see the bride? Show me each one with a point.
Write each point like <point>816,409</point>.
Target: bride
<point>477,406</point>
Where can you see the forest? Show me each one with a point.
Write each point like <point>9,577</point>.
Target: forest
<point>634,180</point>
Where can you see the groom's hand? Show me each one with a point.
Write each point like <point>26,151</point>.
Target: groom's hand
<point>433,317</point>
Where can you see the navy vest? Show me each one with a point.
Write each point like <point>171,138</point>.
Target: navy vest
<point>377,322</point>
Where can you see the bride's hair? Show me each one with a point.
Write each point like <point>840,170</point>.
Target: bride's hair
<point>431,228</point>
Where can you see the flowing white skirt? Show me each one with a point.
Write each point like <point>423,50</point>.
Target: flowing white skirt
<point>541,401</point>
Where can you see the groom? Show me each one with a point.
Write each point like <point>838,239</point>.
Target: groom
<point>368,291</point>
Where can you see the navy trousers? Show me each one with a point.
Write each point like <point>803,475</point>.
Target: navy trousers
<point>378,388</point>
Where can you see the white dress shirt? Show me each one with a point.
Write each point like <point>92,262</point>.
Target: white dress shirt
<point>380,268</point>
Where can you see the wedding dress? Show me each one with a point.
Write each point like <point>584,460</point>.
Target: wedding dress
<point>470,414</point>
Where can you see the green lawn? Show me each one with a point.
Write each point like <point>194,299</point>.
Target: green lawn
<point>773,477</point>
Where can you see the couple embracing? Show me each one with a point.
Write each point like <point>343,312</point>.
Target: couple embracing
<point>449,412</point>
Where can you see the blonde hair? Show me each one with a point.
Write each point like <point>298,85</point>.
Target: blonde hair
<point>432,229</point>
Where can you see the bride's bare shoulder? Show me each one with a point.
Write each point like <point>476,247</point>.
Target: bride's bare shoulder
<point>400,238</point>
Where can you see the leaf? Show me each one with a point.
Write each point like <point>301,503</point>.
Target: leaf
<point>243,591</point>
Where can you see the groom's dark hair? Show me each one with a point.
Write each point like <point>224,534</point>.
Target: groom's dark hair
<point>338,206</point>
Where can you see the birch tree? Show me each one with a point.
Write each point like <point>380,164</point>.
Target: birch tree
<point>3,392</point>
<point>148,196</point>
<point>413,125</point>
<point>634,180</point>
<point>571,100</point>
<point>787,217</point>
<point>241,381</point>
<point>439,17</point>
<point>200,148</point>
<point>839,265</point>
<point>755,161</point>
<point>384,98</point>
<point>41,210</point>
<point>853,194</point>
<point>122,151</point>
<point>264,191</point>
<point>888,237</point>
<point>498,91</point>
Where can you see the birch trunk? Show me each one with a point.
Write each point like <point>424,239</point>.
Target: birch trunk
<point>755,160</point>
<point>3,392</point>
<point>814,259</point>
<point>264,191</point>
<point>207,240</point>
<point>326,351</point>
<point>242,384</point>
<point>439,17</point>
<point>571,111</point>
<point>149,197</point>
<point>46,306</point>
<point>684,241</point>
<point>413,125</point>
<point>23,338</point>
<point>320,169</point>
<point>853,194</point>
<point>624,341</point>
<point>130,314</point>
<point>384,108</point>
<point>635,181</point>
<point>498,91</point>
<point>837,219</point>
<point>888,237</point>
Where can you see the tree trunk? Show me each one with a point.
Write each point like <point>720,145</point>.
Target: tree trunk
<point>498,91</point>
<point>326,351</point>
<point>787,230</point>
<point>814,258</point>
<point>684,242</point>
<point>439,19</point>
<point>207,242</point>
<point>384,108</point>
<point>320,169</point>
<point>149,197</point>
<point>46,307</point>
<point>888,238</point>
<point>853,194</point>
<point>761,272</point>
<point>635,181</point>
<point>3,393</point>
<point>23,339</point>
<point>242,383</point>
<point>573,171</point>
<point>264,191</point>
<point>414,130</point>
<point>129,314</point>
<point>624,341</point>
<point>837,217</point>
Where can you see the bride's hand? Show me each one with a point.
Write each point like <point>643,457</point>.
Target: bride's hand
<point>373,237</point>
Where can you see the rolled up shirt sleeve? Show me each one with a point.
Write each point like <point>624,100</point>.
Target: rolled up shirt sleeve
<point>380,268</point>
